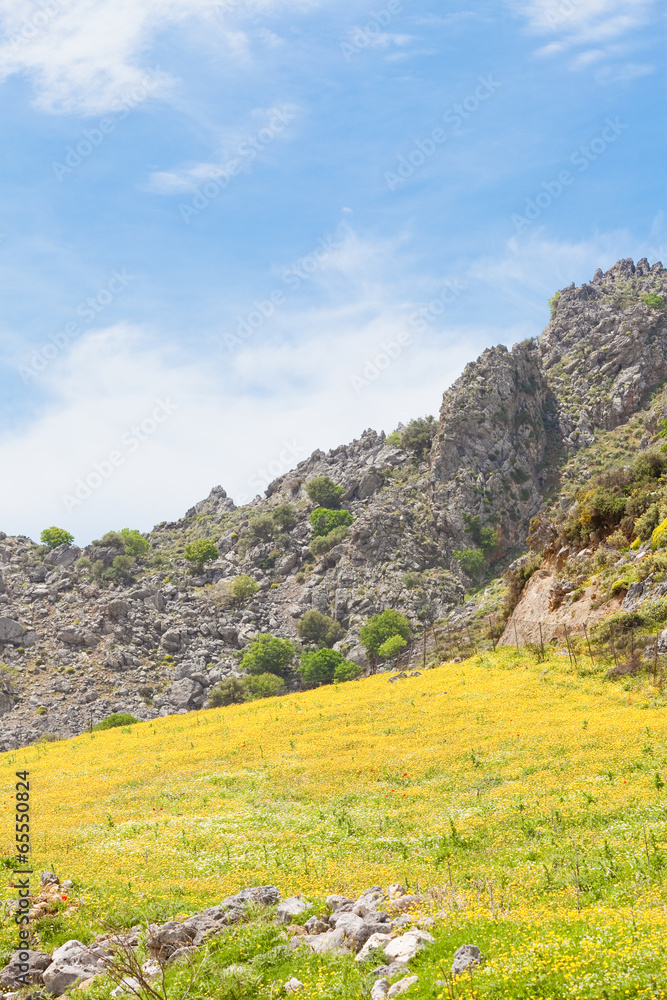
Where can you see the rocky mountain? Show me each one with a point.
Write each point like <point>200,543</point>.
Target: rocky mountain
<point>83,634</point>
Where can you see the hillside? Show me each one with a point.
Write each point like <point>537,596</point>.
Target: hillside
<point>435,508</point>
<point>521,802</point>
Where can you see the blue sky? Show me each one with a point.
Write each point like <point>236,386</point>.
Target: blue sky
<point>235,232</point>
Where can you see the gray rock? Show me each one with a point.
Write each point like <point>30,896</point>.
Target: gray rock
<point>466,957</point>
<point>11,631</point>
<point>63,555</point>
<point>71,962</point>
<point>289,908</point>
<point>38,962</point>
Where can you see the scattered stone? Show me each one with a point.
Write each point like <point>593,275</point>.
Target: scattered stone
<point>405,947</point>
<point>401,985</point>
<point>465,957</point>
<point>293,985</point>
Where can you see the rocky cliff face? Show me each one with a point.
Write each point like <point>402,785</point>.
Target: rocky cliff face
<point>78,646</point>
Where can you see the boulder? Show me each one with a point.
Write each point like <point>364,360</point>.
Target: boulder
<point>11,631</point>
<point>163,942</point>
<point>403,903</point>
<point>405,947</point>
<point>72,962</point>
<point>63,555</point>
<point>328,941</point>
<point>379,989</point>
<point>38,962</point>
<point>465,957</point>
<point>293,985</point>
<point>185,693</point>
<point>290,908</point>
<point>334,902</point>
<point>401,985</point>
<point>374,941</point>
<point>72,637</point>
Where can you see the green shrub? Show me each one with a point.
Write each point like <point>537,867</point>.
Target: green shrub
<point>284,517</point>
<point>116,719</point>
<point>392,647</point>
<point>267,654</point>
<point>412,580</point>
<point>484,535</point>
<point>231,691</point>
<point>346,671</point>
<point>120,569</point>
<point>53,537</point>
<point>202,551</point>
<point>326,665</point>
<point>134,543</point>
<point>659,536</point>
<point>319,666</point>
<point>381,627</point>
<point>324,492</point>
<point>324,520</point>
<point>319,629</point>
<point>242,587</point>
<point>261,528</point>
<point>653,300</point>
<point>472,562</point>
<point>553,304</point>
<point>416,437</point>
<point>263,686</point>
<point>649,520</point>
<point>322,544</point>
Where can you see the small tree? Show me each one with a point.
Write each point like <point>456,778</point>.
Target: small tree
<point>263,686</point>
<point>322,544</point>
<point>134,542</point>
<point>267,654</point>
<point>392,647</point>
<point>284,517</point>
<point>324,492</point>
<point>202,551</point>
<point>319,666</point>
<point>346,671</point>
<point>242,587</point>
<point>319,629</point>
<point>381,627</point>
<point>231,691</point>
<point>472,562</point>
<point>324,520</point>
<point>53,537</point>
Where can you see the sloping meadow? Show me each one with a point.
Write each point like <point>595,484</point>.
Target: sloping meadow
<point>526,801</point>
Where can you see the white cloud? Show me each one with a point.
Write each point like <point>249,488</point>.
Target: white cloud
<point>291,383</point>
<point>86,56</point>
<point>237,150</point>
<point>594,24</point>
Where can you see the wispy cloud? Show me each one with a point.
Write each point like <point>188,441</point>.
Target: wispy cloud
<point>237,150</point>
<point>85,56</point>
<point>603,28</point>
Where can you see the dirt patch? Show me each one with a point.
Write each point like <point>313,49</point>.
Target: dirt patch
<point>533,611</point>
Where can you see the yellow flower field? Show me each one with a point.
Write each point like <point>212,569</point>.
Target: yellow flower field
<point>526,793</point>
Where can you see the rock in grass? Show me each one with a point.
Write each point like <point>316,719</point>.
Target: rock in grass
<point>401,985</point>
<point>467,956</point>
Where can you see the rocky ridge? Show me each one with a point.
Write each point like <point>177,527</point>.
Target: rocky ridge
<point>157,642</point>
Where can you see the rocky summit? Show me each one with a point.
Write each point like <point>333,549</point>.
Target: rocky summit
<point>432,507</point>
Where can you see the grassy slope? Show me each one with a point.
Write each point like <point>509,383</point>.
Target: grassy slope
<point>488,774</point>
